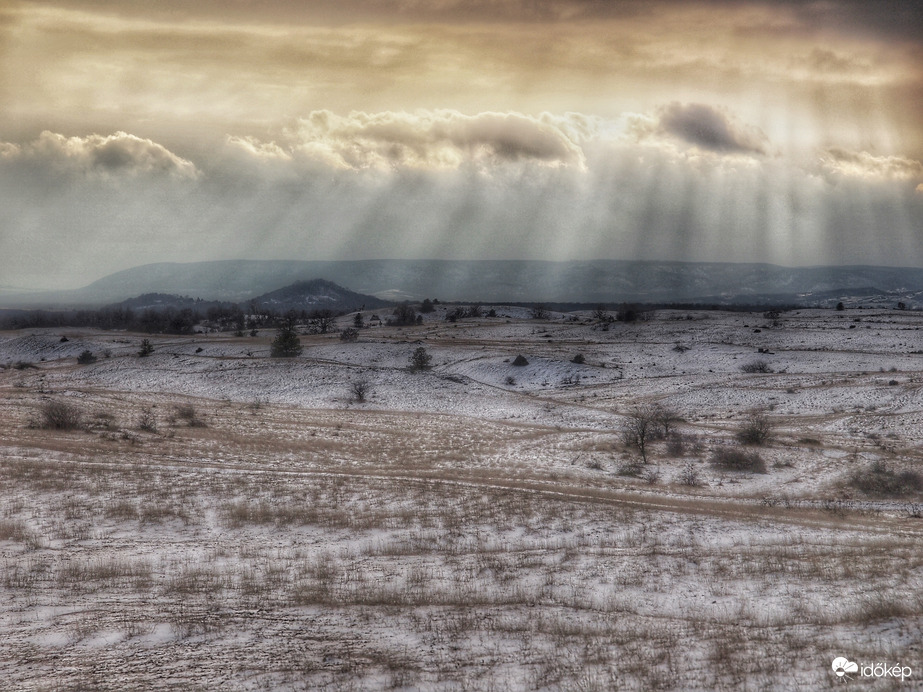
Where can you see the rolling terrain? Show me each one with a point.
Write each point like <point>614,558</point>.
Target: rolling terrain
<point>216,517</point>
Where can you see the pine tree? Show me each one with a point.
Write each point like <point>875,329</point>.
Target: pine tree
<point>286,344</point>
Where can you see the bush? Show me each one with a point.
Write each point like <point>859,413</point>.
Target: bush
<point>146,349</point>
<point>188,413</point>
<point>541,312</point>
<point>756,366</point>
<point>349,334</point>
<point>404,315</point>
<point>58,415</point>
<point>147,421</point>
<point>420,360</point>
<point>756,430</point>
<point>578,359</point>
<point>86,358</point>
<point>689,475</point>
<point>286,344</point>
<point>676,446</point>
<point>880,479</point>
<point>733,459</point>
<point>359,390</point>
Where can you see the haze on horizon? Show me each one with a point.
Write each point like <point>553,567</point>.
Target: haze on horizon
<point>784,132</point>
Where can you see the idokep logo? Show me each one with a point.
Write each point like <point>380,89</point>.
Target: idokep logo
<point>844,668</point>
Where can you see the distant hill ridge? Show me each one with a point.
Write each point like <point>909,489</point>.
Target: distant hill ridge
<point>316,294</point>
<point>590,281</point>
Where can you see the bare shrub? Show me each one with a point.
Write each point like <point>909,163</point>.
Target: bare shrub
<point>630,470</point>
<point>59,415</point>
<point>188,413</point>
<point>676,446</point>
<point>579,359</point>
<point>734,459</point>
<point>881,479</point>
<point>689,475</point>
<point>350,334</point>
<point>147,421</point>
<point>650,475</point>
<point>756,430</point>
<point>756,366</point>
<point>359,390</point>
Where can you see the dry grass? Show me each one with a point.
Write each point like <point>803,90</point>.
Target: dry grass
<point>209,556</point>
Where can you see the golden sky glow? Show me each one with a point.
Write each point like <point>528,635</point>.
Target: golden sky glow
<point>787,132</point>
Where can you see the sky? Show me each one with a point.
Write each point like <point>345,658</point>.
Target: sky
<point>135,132</point>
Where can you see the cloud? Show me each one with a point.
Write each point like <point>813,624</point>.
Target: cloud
<point>708,128</point>
<point>435,139</point>
<point>861,164</point>
<point>117,156</point>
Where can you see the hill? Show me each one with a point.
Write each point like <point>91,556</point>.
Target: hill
<point>317,294</point>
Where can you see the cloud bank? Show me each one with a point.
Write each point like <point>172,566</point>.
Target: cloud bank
<point>684,182</point>
<point>113,157</point>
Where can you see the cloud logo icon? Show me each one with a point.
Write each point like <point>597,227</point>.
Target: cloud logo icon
<point>842,665</point>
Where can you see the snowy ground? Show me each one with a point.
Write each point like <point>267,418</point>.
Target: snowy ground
<point>221,519</point>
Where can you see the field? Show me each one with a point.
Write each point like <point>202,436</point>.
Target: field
<point>208,517</point>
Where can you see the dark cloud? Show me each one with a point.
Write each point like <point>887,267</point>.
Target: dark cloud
<point>709,128</point>
<point>882,18</point>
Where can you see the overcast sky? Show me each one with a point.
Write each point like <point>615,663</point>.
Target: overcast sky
<point>788,132</point>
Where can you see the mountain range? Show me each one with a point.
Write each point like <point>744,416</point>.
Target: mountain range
<point>590,281</point>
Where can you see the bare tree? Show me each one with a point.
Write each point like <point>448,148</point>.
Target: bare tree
<point>321,322</point>
<point>639,429</point>
<point>665,419</point>
<point>404,315</point>
<point>756,430</point>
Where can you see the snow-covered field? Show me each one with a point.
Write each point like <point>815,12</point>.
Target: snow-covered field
<point>222,520</point>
